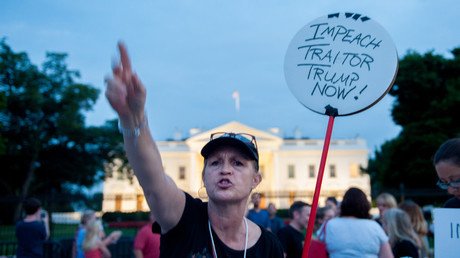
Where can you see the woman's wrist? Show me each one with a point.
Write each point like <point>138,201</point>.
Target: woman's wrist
<point>131,127</point>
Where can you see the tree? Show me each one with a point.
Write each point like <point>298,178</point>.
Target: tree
<point>46,145</point>
<point>427,91</point>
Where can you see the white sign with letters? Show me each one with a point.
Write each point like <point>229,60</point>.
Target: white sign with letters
<point>446,233</point>
<point>345,60</point>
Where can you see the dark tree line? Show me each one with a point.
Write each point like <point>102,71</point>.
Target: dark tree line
<point>45,146</point>
<point>427,105</point>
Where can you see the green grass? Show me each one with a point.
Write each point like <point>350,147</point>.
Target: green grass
<point>60,231</point>
<point>7,233</point>
<point>127,232</point>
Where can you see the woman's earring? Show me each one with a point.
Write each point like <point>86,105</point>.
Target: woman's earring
<point>202,193</point>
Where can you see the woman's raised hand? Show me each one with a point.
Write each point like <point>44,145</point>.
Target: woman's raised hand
<point>125,92</point>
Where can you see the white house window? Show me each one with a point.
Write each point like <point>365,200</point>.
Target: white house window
<point>182,173</point>
<point>311,171</point>
<point>291,171</point>
<point>332,171</point>
<point>354,170</point>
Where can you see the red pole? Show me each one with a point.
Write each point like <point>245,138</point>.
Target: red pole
<point>319,180</point>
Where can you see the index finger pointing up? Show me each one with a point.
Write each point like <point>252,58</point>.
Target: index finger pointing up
<point>125,62</point>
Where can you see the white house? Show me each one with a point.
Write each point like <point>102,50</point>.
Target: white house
<point>289,169</point>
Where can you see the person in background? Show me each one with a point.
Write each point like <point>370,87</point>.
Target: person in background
<point>419,224</point>
<point>32,231</point>
<point>292,235</point>
<point>323,214</point>
<point>276,223</point>
<point>257,214</point>
<point>403,239</point>
<point>428,215</point>
<point>354,233</point>
<point>332,202</point>
<point>86,217</point>
<point>447,164</point>
<point>93,246</point>
<point>147,243</point>
<point>385,201</point>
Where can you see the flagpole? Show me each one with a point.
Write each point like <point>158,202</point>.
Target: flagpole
<point>236,97</point>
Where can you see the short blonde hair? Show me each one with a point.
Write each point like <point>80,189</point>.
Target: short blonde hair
<point>388,199</point>
<point>87,216</point>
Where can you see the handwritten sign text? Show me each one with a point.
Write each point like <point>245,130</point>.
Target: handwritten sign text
<point>340,61</point>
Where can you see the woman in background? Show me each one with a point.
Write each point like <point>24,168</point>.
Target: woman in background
<point>86,217</point>
<point>418,223</point>
<point>447,164</point>
<point>385,201</point>
<point>323,214</point>
<point>353,233</point>
<point>403,239</point>
<point>93,245</point>
<point>332,202</point>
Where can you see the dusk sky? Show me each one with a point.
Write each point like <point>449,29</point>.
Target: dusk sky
<point>193,54</point>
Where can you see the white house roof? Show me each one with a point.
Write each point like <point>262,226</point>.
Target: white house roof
<point>199,140</point>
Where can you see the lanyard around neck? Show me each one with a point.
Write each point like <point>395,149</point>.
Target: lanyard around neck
<point>245,241</point>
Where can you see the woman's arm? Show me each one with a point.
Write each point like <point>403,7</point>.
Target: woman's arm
<point>45,218</point>
<point>112,238</point>
<point>105,251</point>
<point>127,95</point>
<point>385,251</point>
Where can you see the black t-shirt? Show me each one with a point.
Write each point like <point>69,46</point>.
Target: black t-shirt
<point>190,237</point>
<point>453,202</point>
<point>292,241</point>
<point>405,248</point>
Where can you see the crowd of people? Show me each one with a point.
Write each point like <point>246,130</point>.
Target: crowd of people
<point>349,230</point>
<point>223,226</point>
<point>398,230</point>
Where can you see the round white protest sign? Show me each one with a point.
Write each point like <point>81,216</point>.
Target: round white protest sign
<point>344,61</point>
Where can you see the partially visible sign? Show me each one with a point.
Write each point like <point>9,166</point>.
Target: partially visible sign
<point>344,60</point>
<point>446,233</point>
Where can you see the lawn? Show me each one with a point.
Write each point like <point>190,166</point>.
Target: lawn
<point>61,231</point>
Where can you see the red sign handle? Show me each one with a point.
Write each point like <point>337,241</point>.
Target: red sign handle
<point>319,180</point>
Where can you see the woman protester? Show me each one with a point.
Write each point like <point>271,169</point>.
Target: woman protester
<point>190,227</point>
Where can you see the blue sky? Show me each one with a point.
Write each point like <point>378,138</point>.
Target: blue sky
<point>192,54</point>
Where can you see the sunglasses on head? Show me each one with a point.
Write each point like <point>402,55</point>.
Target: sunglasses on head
<point>244,137</point>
